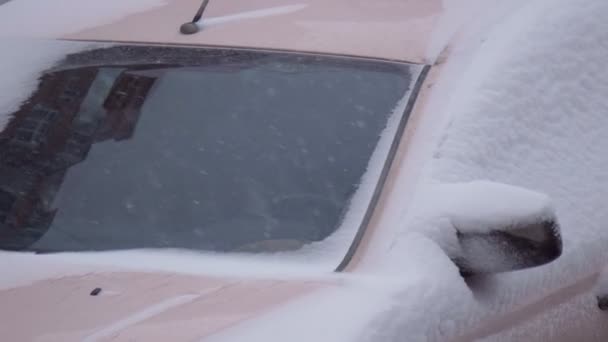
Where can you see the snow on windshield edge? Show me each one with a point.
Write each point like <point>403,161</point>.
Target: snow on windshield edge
<point>21,63</point>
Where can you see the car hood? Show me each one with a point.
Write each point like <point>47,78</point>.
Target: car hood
<point>138,306</point>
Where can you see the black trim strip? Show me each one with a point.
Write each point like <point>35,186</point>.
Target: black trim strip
<point>385,171</point>
<point>241,48</point>
<point>122,55</point>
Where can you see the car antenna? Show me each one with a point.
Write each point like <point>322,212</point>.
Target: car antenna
<point>192,27</point>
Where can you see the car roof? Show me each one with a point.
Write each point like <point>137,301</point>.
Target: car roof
<point>387,29</point>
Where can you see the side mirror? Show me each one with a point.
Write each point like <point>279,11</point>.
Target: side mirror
<point>499,227</point>
<point>508,248</point>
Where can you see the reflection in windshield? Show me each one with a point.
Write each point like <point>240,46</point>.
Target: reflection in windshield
<point>229,153</point>
<point>53,131</point>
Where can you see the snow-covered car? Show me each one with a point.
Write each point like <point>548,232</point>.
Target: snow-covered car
<point>302,170</point>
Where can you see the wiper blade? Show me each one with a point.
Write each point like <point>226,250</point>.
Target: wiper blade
<point>192,27</point>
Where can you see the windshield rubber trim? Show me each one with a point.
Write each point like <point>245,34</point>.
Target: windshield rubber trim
<point>385,171</point>
<point>244,48</point>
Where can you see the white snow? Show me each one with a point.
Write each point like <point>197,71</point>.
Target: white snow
<point>19,269</point>
<point>442,209</point>
<point>532,114</point>
<point>457,32</point>
<point>348,306</point>
<point>21,62</point>
<point>57,18</point>
<point>36,267</point>
<point>233,265</point>
<point>529,110</point>
<point>482,206</point>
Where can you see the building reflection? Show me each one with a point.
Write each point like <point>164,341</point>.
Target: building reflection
<point>54,130</point>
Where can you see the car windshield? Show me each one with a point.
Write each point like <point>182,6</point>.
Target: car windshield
<point>126,147</point>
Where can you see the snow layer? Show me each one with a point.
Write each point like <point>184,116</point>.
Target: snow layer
<point>455,26</point>
<point>444,209</point>
<point>482,206</point>
<point>533,115</point>
<point>21,63</point>
<point>531,112</point>
<point>19,269</point>
<point>57,18</point>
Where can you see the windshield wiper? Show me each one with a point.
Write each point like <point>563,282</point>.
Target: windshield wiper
<point>192,27</point>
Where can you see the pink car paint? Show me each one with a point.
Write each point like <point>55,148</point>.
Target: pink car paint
<point>137,306</point>
<point>390,29</point>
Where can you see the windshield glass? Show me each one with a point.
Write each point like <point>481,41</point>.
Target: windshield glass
<point>219,150</point>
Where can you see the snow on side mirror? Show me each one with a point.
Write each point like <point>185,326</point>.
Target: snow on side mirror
<point>499,227</point>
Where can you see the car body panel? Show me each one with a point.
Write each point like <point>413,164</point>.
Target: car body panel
<point>398,169</point>
<point>140,306</point>
<point>388,29</point>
